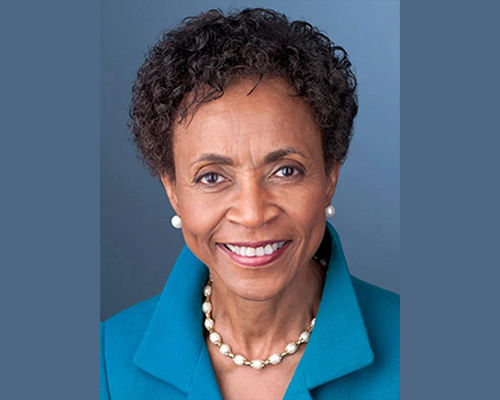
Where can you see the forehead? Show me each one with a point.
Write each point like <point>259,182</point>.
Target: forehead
<point>240,124</point>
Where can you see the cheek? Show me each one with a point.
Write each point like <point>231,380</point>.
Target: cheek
<point>200,217</point>
<point>306,204</point>
<point>308,215</point>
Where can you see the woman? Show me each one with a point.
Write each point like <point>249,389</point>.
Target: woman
<point>246,119</point>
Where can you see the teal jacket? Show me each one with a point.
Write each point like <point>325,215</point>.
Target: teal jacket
<point>156,349</point>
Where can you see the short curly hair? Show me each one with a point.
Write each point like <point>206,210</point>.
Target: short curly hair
<point>208,53</point>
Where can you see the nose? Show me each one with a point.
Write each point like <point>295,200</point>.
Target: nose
<point>253,206</point>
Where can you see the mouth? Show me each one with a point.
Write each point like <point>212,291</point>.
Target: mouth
<point>255,254</point>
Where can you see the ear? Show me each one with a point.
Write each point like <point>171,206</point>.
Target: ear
<point>169,186</point>
<point>331,183</point>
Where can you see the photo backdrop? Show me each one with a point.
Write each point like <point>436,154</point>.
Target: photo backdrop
<point>138,244</point>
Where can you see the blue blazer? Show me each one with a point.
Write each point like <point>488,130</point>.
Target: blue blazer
<point>156,349</point>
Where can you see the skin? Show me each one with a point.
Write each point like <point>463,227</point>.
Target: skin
<point>244,197</point>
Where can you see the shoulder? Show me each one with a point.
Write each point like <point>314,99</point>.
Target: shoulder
<point>141,309</point>
<point>376,296</point>
<point>136,314</point>
<point>125,329</point>
<point>120,336</point>
<point>380,309</point>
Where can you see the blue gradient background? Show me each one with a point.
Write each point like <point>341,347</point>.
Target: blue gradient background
<point>50,199</point>
<point>138,245</point>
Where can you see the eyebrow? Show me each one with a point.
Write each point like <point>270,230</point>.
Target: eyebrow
<point>276,155</point>
<point>269,159</point>
<point>214,158</point>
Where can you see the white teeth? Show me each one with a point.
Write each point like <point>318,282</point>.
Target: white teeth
<point>255,251</point>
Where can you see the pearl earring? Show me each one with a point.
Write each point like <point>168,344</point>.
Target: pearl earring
<point>330,211</point>
<point>176,222</point>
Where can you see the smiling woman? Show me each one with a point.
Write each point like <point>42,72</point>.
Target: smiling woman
<point>246,119</point>
<point>253,153</point>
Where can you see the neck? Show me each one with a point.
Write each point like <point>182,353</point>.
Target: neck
<point>260,328</point>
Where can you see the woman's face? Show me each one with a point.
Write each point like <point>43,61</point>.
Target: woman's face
<point>250,178</point>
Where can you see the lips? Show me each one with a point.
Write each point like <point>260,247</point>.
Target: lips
<point>255,254</point>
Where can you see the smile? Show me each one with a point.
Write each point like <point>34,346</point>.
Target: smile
<point>260,251</point>
<point>255,254</point>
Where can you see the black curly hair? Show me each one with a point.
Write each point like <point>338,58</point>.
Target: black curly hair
<point>208,53</point>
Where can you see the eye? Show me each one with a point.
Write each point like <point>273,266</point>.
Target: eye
<point>211,178</point>
<point>288,171</point>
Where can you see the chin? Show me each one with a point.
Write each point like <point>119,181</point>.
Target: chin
<point>258,295</point>
<point>260,289</point>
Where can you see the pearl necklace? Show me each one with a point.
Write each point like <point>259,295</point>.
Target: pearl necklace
<point>238,359</point>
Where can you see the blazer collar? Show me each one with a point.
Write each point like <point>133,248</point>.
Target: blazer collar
<point>338,345</point>
<point>173,342</point>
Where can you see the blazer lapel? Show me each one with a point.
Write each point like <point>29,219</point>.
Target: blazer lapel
<point>204,384</point>
<point>173,347</point>
<point>339,344</point>
<point>297,389</point>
